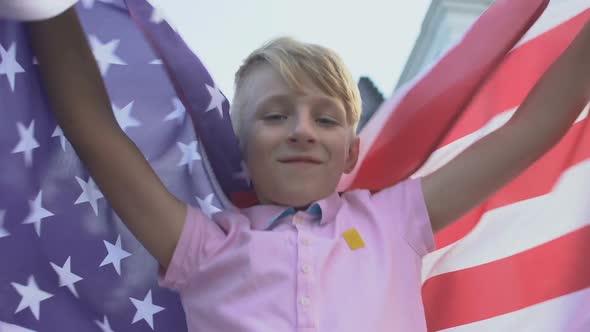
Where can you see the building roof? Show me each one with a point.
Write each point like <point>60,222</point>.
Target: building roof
<point>371,97</point>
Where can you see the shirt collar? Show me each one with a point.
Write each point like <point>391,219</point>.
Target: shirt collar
<point>263,217</point>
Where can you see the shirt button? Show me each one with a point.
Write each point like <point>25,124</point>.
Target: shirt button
<point>306,268</point>
<point>305,301</point>
<point>305,242</point>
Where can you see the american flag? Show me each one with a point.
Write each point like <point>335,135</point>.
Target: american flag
<point>78,268</point>
<point>518,261</point>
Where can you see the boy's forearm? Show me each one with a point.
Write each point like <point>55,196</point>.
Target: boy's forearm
<point>556,101</point>
<point>72,79</point>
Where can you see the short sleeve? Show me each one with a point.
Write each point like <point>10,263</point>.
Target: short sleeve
<point>197,229</point>
<point>405,204</point>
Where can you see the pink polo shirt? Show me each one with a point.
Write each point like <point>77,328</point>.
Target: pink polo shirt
<point>301,274</point>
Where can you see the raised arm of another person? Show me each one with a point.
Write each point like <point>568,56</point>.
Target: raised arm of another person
<point>82,108</point>
<point>539,123</point>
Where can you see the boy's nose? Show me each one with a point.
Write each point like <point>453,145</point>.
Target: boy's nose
<point>303,131</point>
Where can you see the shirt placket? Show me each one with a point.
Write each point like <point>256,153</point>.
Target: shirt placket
<point>306,303</point>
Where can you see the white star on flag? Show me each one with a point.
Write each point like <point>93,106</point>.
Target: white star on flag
<point>9,66</point>
<point>115,254</point>
<point>178,112</point>
<point>124,118</point>
<point>104,325</point>
<point>145,309</point>
<point>37,213</point>
<point>217,99</point>
<point>243,174</point>
<point>13,328</point>
<point>90,193</point>
<point>27,141</point>
<point>66,277</point>
<point>207,205</point>
<point>157,16</point>
<point>31,296</point>
<point>3,231</point>
<point>87,3</point>
<point>62,139</point>
<point>156,62</point>
<point>105,53</point>
<point>189,154</point>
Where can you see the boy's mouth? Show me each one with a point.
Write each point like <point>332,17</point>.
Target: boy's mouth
<point>300,160</point>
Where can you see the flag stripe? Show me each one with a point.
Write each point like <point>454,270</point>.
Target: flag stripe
<point>509,284</point>
<point>546,316</point>
<point>522,68</point>
<point>506,231</point>
<point>535,181</point>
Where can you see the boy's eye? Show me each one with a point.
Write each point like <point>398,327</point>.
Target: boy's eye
<point>326,122</point>
<point>275,117</point>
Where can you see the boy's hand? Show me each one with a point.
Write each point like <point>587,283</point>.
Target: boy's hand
<point>33,10</point>
<point>539,123</point>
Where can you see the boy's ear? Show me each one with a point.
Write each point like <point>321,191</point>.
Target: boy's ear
<point>353,154</point>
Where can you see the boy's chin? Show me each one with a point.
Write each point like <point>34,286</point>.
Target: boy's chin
<point>300,199</point>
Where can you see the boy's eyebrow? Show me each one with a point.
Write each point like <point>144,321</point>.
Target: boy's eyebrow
<point>275,98</point>
<point>325,99</point>
<point>329,101</point>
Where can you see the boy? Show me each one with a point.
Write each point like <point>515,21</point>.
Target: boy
<point>307,258</point>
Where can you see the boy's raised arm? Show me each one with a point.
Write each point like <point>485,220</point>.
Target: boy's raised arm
<point>539,123</point>
<point>82,108</point>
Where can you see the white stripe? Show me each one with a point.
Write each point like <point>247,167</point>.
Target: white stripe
<point>556,13</point>
<point>514,228</point>
<point>566,313</point>
<point>446,153</point>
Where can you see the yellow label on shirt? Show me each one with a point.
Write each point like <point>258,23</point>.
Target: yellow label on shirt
<point>354,239</point>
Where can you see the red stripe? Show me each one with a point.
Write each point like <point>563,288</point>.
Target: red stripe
<point>556,268</point>
<point>516,76</point>
<point>537,180</point>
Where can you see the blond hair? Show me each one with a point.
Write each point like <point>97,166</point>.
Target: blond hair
<point>295,61</point>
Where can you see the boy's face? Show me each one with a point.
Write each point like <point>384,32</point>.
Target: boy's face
<point>297,144</point>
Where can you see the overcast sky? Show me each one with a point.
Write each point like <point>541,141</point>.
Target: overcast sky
<point>374,37</point>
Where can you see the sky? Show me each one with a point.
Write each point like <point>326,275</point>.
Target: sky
<point>374,37</point>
